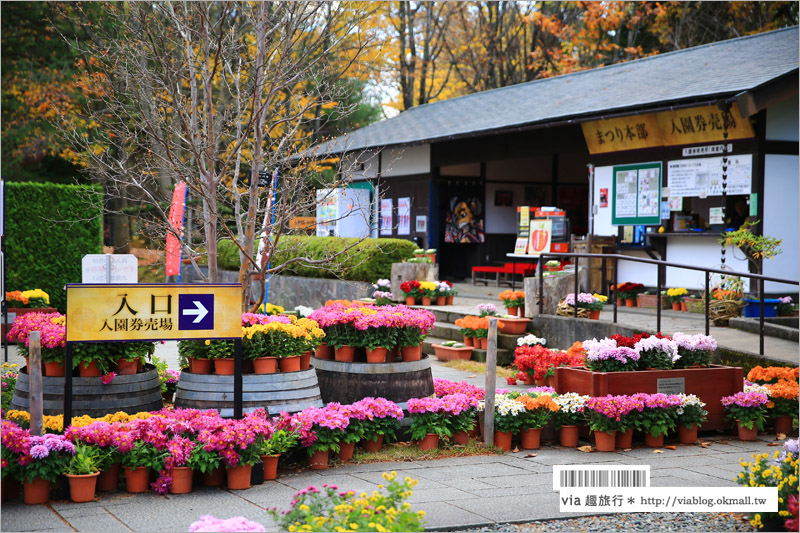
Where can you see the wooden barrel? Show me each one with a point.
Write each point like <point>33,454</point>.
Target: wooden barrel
<point>283,391</point>
<point>349,382</point>
<point>131,394</point>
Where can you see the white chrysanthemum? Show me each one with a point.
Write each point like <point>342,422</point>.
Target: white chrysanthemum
<point>531,340</point>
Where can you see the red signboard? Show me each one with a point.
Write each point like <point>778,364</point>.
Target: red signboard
<point>176,219</point>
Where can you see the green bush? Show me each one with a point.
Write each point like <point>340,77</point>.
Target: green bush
<point>49,228</point>
<point>368,260</point>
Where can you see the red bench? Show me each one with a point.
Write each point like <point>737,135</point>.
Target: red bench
<point>524,269</point>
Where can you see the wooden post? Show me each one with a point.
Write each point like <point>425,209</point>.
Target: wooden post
<point>35,371</point>
<point>491,383</point>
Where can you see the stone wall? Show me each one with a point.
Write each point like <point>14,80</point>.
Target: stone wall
<point>555,288</point>
<point>291,291</point>
<point>411,271</point>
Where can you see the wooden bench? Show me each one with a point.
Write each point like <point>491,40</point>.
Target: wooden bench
<point>508,269</point>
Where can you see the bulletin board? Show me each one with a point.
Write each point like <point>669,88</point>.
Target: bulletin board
<point>636,194</point>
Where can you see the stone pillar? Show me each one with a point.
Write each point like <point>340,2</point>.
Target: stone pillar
<point>555,287</point>
<point>407,271</point>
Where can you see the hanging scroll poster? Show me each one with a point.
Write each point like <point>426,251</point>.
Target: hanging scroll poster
<point>637,194</point>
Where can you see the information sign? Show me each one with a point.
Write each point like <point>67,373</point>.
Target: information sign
<point>637,194</point>
<point>109,268</point>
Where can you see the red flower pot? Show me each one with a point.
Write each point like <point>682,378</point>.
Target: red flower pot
<point>215,478</point>
<point>683,306</point>
<point>676,306</point>
<point>687,436</point>
<point>270,466</point>
<point>653,442</point>
<point>223,366</point>
<point>530,438</point>
<point>323,351</point>
<point>594,314</point>
<point>89,370</point>
<point>199,366</point>
<point>378,355</point>
<point>82,487</point>
<point>346,353</point>
<point>54,369</point>
<point>468,341</point>
<point>605,441</point>
<point>109,478</point>
<point>514,311</point>
<point>181,480</point>
<point>449,300</point>
<point>484,343</point>
<point>746,434</point>
<point>265,365</point>
<point>36,492</point>
<point>305,360</point>
<point>624,439</point>
<point>502,439</point>
<point>373,444</point>
<point>127,368</point>
<point>620,302</point>
<point>426,300</point>
<point>239,477</point>
<point>441,300</point>
<point>411,353</point>
<point>461,437</point>
<point>540,382</point>
<point>430,442</point>
<point>289,364</point>
<point>783,424</point>
<point>630,302</point>
<point>568,436</point>
<point>136,479</point>
<point>410,300</point>
<point>346,451</point>
<point>318,460</point>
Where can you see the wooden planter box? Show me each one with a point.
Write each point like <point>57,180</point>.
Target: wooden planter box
<point>450,353</point>
<point>709,384</point>
<point>650,301</point>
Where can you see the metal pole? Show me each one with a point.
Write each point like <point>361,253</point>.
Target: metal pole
<point>660,285</point>
<point>540,267</point>
<point>616,271</point>
<point>35,375</point>
<point>761,317</point>
<point>237,379</point>
<point>67,384</point>
<point>491,383</point>
<point>708,322</point>
<point>604,277</point>
<point>575,303</point>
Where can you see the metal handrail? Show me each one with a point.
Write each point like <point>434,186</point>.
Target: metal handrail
<point>660,266</point>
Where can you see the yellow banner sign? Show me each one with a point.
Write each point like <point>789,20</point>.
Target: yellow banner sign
<point>131,312</point>
<point>302,222</point>
<point>695,125</point>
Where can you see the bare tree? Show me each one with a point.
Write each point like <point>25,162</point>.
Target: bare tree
<point>209,93</point>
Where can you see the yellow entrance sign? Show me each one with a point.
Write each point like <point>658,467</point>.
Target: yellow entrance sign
<point>129,312</point>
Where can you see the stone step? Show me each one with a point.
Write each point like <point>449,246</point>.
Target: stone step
<point>448,331</point>
<point>504,356</point>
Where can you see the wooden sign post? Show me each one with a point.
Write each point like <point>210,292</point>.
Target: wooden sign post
<point>35,371</point>
<point>491,383</point>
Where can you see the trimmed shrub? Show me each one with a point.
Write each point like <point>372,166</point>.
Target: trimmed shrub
<point>368,260</point>
<point>49,228</point>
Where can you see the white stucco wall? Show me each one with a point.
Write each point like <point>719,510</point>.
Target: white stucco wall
<point>602,219</point>
<point>781,193</point>
<point>503,219</point>
<point>352,163</point>
<point>406,161</point>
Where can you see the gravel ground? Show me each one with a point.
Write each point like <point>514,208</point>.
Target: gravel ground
<point>632,522</point>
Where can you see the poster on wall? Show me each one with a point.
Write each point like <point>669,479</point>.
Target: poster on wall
<point>636,197</point>
<point>422,224</point>
<point>386,216</point>
<point>327,212</point>
<point>404,216</point>
<point>702,177</point>
<point>541,233</point>
<point>464,220</point>
<point>604,197</point>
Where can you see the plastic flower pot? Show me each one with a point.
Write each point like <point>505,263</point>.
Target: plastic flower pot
<point>345,353</point>
<point>265,365</point>
<point>461,437</point>
<point>605,441</point>
<point>239,477</point>
<point>410,300</point>
<point>54,369</point>
<point>136,479</point>
<point>683,306</point>
<point>411,353</point>
<point>502,439</point>
<point>568,436</point>
<point>515,326</point>
<point>323,351</point>
<point>468,341</point>
<point>346,451</point>
<point>109,478</point>
<point>36,492</point>
<point>594,314</point>
<point>82,487</point>
<point>181,480</point>
<point>429,442</point>
<point>441,300</point>
<point>783,424</point>
<point>624,439</point>
<point>223,366</point>
<point>687,436</point>
<point>89,370</point>
<point>289,364</point>
<point>513,311</point>
<point>305,360</point>
<point>270,466</point>
<point>449,300</point>
<point>530,438</point>
<point>127,368</point>
<point>630,302</point>
<point>215,478</point>
<point>653,442</point>
<point>620,302</point>
<point>676,306</point>
<point>426,300</point>
<point>378,355</point>
<point>373,444</point>
<point>484,343</point>
<point>540,382</point>
<point>199,366</point>
<point>746,434</point>
<point>318,460</point>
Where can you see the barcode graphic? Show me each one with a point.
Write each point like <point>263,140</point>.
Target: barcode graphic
<point>600,476</point>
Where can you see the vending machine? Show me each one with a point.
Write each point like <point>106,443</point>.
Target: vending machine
<point>559,233</point>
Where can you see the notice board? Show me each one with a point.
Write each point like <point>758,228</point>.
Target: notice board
<point>703,176</point>
<point>637,194</point>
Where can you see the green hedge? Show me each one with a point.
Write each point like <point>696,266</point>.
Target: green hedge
<point>369,260</point>
<point>49,228</point>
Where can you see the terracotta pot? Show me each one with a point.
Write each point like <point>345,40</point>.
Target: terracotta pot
<point>82,487</point>
<point>54,369</point>
<point>289,364</point>
<point>89,370</point>
<point>687,436</point>
<point>223,366</point>
<point>441,300</point>
<point>318,460</point>
<point>373,444</point>
<point>215,478</point>
<point>323,351</point>
<point>429,442</point>
<point>461,437</point>
<point>540,382</point>
<point>139,366</point>
<point>594,314</point>
<point>109,478</point>
<point>502,439</point>
<point>630,302</point>
<point>270,466</point>
<point>136,479</point>
<point>676,306</point>
<point>199,366</point>
<point>127,368</point>
<point>378,355</point>
<point>514,311</point>
<point>683,306</point>
<point>36,492</point>
<point>746,434</point>
<point>450,300</point>
<point>620,302</point>
<point>624,439</point>
<point>484,343</point>
<point>392,354</point>
<point>239,477</point>
<point>515,326</point>
<point>468,341</point>
<point>528,379</point>
<point>346,451</point>
<point>265,365</point>
<point>345,353</point>
<point>426,300</point>
<point>653,442</point>
<point>410,300</point>
<point>181,480</point>
<point>411,353</point>
<point>605,440</point>
<point>783,424</point>
<point>550,381</point>
<point>530,438</point>
<point>305,360</point>
<point>568,436</point>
